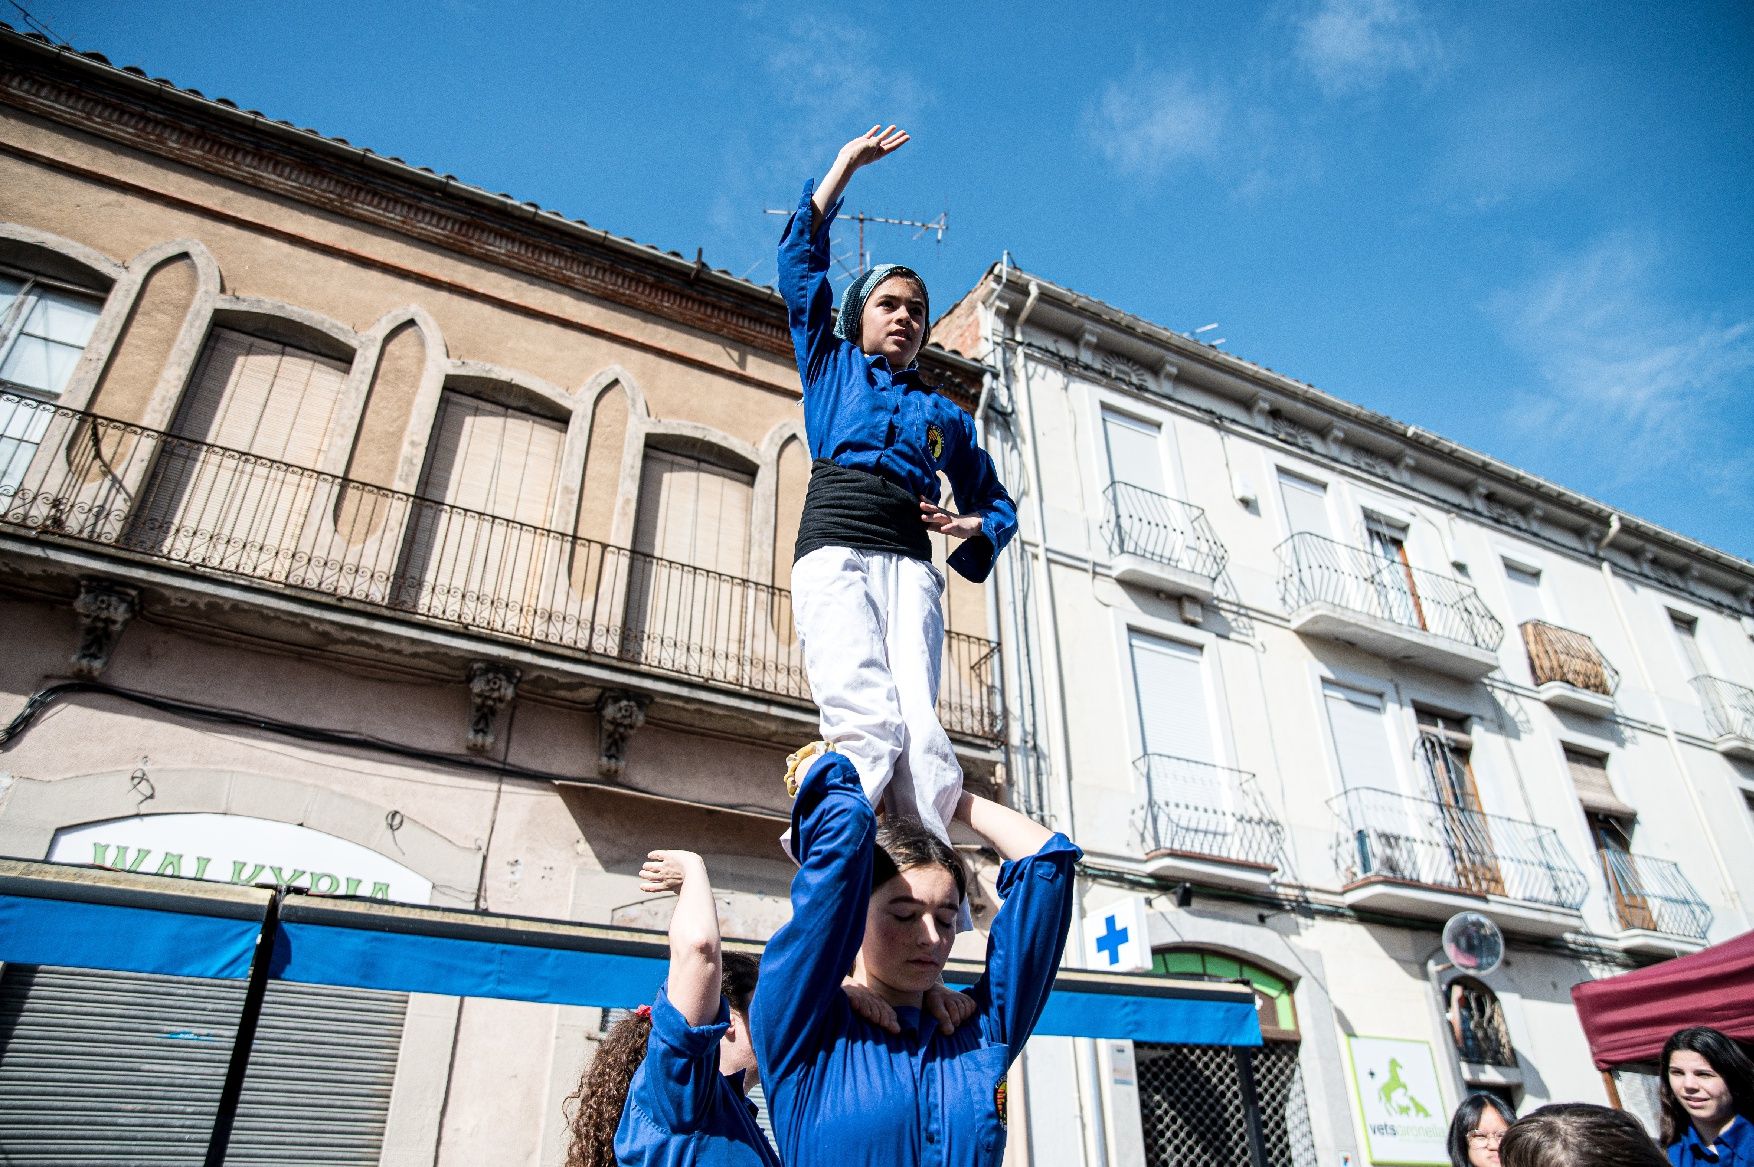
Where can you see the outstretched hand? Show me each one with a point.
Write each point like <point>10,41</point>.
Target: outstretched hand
<point>872,145</point>
<point>668,870</point>
<point>949,522</point>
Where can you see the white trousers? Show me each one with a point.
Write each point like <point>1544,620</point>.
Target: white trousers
<point>872,624</point>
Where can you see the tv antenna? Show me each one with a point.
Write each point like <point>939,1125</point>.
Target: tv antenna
<point>863,260</point>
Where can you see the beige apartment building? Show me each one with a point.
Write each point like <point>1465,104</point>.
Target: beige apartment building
<point>1306,681</point>
<point>366,532</point>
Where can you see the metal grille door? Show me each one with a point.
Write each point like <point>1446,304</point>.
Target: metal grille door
<point>1197,1113</point>
<point>1284,1107</point>
<point>124,1069</point>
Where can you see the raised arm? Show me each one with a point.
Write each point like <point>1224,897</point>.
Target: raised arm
<point>1013,835</point>
<point>693,986</point>
<point>872,145</point>
<point>1028,934</point>
<point>801,971</point>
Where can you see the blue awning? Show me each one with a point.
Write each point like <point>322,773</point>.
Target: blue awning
<point>56,915</point>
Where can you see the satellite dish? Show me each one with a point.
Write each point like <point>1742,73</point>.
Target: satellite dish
<point>1473,943</point>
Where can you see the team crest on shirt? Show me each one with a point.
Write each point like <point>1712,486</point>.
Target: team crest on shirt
<point>999,1093</point>
<point>935,442</point>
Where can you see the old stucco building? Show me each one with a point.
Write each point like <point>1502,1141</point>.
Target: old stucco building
<point>369,532</point>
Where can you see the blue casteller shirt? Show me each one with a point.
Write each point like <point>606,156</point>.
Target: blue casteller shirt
<point>680,1110</point>
<point>861,414</point>
<point>844,1093</point>
<point>1734,1147</point>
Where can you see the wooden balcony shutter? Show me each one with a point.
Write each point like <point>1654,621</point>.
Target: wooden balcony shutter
<point>486,556</point>
<point>221,497</point>
<point>694,512</point>
<point>1589,776</point>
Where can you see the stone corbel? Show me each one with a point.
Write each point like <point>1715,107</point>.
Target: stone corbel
<point>1087,341</point>
<point>619,715</point>
<point>104,609</point>
<point>1262,409</point>
<point>1405,465</point>
<point>1166,374</point>
<point>1336,440</point>
<point>491,688</point>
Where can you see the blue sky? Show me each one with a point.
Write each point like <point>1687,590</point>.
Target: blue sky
<point>1527,227</point>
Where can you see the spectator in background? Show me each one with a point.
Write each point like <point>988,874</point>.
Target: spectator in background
<point>1475,1131</point>
<point>1707,1091</point>
<point>1578,1134</point>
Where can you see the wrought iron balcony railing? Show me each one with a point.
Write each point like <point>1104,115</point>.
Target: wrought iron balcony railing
<point>1315,569</point>
<point>1653,895</point>
<point>1559,654</point>
<point>1384,835</point>
<point>1729,707</point>
<point>1162,529</point>
<point>89,479</point>
<point>1206,811</point>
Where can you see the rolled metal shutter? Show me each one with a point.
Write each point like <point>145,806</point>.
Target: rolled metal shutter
<point>125,1068</point>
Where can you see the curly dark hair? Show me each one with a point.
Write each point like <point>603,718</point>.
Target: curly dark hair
<point>904,843</point>
<point>1726,1057</point>
<point>1467,1117</point>
<point>595,1107</point>
<point>1578,1134</point>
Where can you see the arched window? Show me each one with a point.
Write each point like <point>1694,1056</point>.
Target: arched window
<point>1203,1104</point>
<point>234,485</point>
<point>1273,999</point>
<point>44,327</point>
<point>691,607</point>
<point>1476,1024</point>
<point>480,550</point>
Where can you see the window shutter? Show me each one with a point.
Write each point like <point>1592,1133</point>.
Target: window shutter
<point>1306,505</point>
<point>1174,722</point>
<point>1173,717</point>
<point>1525,593</point>
<point>694,512</point>
<point>1360,738</point>
<point>1134,452</point>
<point>1589,776</point>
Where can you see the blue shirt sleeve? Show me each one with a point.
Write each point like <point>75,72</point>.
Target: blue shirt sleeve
<point>1027,939</point>
<point>805,962</point>
<point>677,1084</point>
<point>804,285</point>
<point>978,490</point>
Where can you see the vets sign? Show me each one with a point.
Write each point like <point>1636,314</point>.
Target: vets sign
<point>1405,1117</point>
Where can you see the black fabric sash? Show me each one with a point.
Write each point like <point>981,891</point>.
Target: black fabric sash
<point>853,508</point>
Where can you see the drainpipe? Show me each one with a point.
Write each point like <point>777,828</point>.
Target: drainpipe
<point>1089,1065</point>
<point>1730,897</point>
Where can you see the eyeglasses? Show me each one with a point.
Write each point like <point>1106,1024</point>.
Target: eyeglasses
<point>1486,1138</point>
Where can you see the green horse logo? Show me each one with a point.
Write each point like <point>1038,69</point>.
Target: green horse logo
<point>1396,1098</point>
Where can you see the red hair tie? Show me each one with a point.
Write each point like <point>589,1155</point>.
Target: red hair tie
<point>644,1011</point>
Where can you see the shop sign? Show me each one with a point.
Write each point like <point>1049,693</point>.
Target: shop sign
<point>1405,1119</point>
<point>222,848</point>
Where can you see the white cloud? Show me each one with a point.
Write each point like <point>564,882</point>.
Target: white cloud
<point>1152,121</point>
<point>1646,388</point>
<point>1352,46</point>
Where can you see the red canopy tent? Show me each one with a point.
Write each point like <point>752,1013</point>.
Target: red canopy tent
<point>1626,1019</point>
